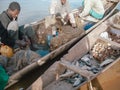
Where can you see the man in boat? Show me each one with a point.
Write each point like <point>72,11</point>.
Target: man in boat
<point>92,9</point>
<point>61,8</point>
<point>10,33</point>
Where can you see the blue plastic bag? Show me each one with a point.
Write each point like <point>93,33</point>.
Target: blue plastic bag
<point>88,25</point>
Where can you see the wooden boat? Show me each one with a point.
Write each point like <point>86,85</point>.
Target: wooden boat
<point>107,78</point>
<point>18,75</point>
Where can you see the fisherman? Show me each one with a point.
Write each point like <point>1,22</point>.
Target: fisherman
<point>92,8</point>
<point>10,33</point>
<point>61,8</point>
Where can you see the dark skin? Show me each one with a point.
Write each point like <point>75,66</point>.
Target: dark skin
<point>14,14</point>
<point>63,2</point>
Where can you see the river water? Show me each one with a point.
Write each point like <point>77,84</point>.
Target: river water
<point>33,10</point>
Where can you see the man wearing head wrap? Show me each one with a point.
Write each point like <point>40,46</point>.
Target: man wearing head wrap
<point>62,8</point>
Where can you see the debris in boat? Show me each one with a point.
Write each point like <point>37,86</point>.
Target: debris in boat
<point>56,34</point>
<point>67,74</point>
<point>79,22</point>
<point>102,52</point>
<point>54,31</point>
<point>6,51</point>
<point>106,62</point>
<point>16,63</point>
<point>49,20</point>
<point>67,33</point>
<point>95,69</point>
<point>75,80</point>
<point>41,33</point>
<point>114,34</point>
<point>105,35</point>
<point>87,62</point>
<point>115,21</point>
<point>3,61</point>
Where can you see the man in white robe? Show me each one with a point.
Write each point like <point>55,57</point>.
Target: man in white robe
<point>62,8</point>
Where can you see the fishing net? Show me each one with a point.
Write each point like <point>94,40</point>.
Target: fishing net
<point>67,33</point>
<point>21,59</point>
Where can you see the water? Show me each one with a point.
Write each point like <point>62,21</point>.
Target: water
<point>33,10</point>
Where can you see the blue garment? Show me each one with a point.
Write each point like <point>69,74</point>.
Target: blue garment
<point>42,52</point>
<point>88,25</point>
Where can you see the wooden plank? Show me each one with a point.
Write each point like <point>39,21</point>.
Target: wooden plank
<point>78,70</point>
<point>109,41</point>
<point>108,79</point>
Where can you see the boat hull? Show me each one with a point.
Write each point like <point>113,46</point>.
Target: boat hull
<point>17,76</point>
<point>98,82</point>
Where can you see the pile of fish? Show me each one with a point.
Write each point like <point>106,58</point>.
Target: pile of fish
<point>67,33</point>
<point>88,63</point>
<point>101,55</point>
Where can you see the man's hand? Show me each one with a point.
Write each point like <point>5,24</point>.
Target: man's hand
<point>58,15</point>
<point>26,39</point>
<point>21,43</point>
<point>67,18</point>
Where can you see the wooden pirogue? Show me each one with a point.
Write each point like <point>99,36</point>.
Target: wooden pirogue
<point>110,7</point>
<point>91,64</point>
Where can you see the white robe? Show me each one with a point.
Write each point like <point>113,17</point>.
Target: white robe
<point>57,7</point>
<point>95,5</point>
